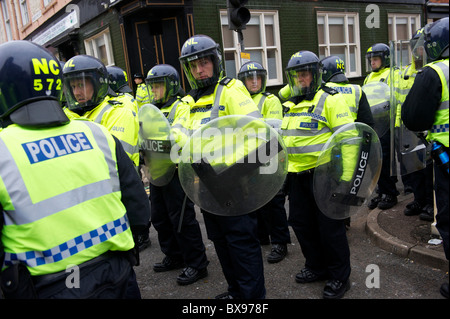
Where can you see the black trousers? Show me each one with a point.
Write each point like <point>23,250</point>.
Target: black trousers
<point>272,220</point>
<point>441,181</point>
<point>422,184</point>
<point>386,182</point>
<point>323,240</point>
<point>237,246</point>
<point>187,245</point>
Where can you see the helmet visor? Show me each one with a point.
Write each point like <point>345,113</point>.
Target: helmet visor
<point>201,71</point>
<point>254,81</point>
<point>157,90</point>
<point>83,90</point>
<point>418,51</point>
<point>304,79</point>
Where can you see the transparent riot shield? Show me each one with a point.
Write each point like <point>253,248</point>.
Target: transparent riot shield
<point>233,165</point>
<point>347,170</point>
<point>156,144</point>
<point>378,96</point>
<point>409,151</point>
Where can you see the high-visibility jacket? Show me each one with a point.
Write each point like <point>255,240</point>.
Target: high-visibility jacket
<point>382,75</point>
<point>142,95</point>
<point>352,94</point>
<point>308,125</point>
<point>440,130</point>
<point>127,100</point>
<point>405,84</point>
<point>269,105</point>
<point>119,121</point>
<point>60,192</point>
<point>230,97</point>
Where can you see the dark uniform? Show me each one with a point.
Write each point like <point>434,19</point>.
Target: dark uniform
<point>426,108</point>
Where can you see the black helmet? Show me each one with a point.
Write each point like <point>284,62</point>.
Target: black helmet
<point>118,80</point>
<point>299,62</point>
<point>436,39</point>
<point>195,48</point>
<point>138,76</point>
<point>253,70</point>
<point>379,50</point>
<point>30,85</point>
<point>83,72</point>
<point>164,74</point>
<point>333,69</point>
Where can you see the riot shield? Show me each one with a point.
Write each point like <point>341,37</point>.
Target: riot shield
<point>347,170</point>
<point>156,144</point>
<point>378,96</point>
<point>409,151</point>
<point>233,165</point>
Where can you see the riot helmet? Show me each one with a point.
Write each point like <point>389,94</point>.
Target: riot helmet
<point>382,51</point>
<point>197,54</point>
<point>304,73</point>
<point>333,69</point>
<point>163,83</point>
<point>436,40</point>
<point>250,73</point>
<point>30,85</point>
<point>85,83</point>
<point>118,80</point>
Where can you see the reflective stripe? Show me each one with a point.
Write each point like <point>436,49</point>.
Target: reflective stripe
<point>305,149</point>
<point>442,128</point>
<point>215,106</point>
<point>297,132</point>
<point>70,247</point>
<point>99,117</point>
<point>357,97</point>
<point>261,102</point>
<point>171,116</point>
<point>30,212</point>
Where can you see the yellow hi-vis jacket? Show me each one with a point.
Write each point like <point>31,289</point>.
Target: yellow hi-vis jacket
<point>405,84</point>
<point>142,95</point>
<point>230,97</point>
<point>127,100</point>
<point>60,192</point>
<point>269,105</point>
<point>440,129</point>
<point>119,121</point>
<point>308,125</point>
<point>382,75</point>
<point>352,94</point>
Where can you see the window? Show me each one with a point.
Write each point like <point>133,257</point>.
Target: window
<point>401,29</point>
<point>100,47</point>
<point>47,2</point>
<point>262,42</point>
<point>24,12</point>
<point>7,21</point>
<point>339,35</point>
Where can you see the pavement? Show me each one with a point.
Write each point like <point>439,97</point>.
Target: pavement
<point>384,244</point>
<point>406,236</point>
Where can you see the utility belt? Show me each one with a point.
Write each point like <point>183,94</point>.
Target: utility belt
<point>302,173</point>
<point>18,283</point>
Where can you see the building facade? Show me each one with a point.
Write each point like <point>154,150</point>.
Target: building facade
<point>138,34</point>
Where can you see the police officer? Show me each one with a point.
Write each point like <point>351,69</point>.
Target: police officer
<point>86,87</point>
<point>79,202</point>
<point>426,108</point>
<point>313,113</point>
<point>142,95</point>
<point>378,57</point>
<point>213,95</point>
<point>421,180</point>
<point>272,218</point>
<point>118,82</point>
<point>184,246</point>
<point>334,76</point>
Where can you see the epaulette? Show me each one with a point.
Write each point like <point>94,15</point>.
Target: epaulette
<point>329,90</point>
<point>114,102</point>
<point>266,93</point>
<point>225,81</point>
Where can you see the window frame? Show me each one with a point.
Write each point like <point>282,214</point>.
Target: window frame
<point>392,33</point>
<point>24,12</point>
<point>264,48</point>
<point>348,46</point>
<point>93,49</point>
<point>6,20</point>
